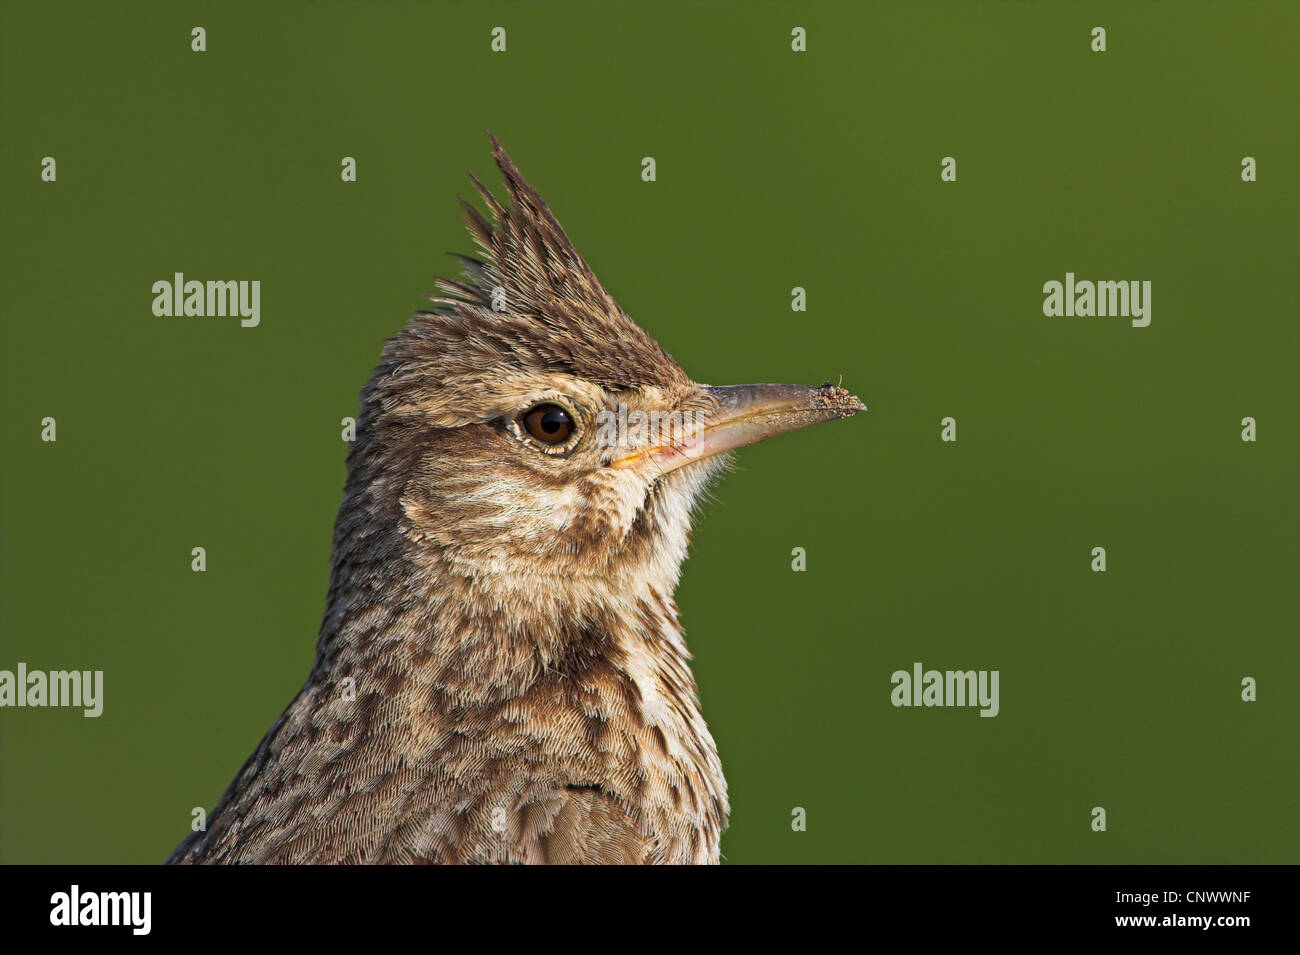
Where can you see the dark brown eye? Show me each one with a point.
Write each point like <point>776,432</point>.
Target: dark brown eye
<point>549,424</point>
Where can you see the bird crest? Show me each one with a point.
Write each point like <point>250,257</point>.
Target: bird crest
<point>532,297</point>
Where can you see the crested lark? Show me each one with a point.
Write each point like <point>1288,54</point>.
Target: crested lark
<point>500,675</point>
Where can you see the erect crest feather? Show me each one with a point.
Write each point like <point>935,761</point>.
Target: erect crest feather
<point>532,301</point>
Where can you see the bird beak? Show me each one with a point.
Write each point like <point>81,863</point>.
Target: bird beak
<point>746,414</point>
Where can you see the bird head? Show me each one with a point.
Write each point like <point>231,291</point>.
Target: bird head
<point>536,439</point>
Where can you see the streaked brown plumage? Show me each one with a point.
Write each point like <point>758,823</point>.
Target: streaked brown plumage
<point>500,675</point>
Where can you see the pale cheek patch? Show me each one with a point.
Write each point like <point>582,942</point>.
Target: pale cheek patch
<point>527,511</point>
<point>558,507</point>
<point>611,501</point>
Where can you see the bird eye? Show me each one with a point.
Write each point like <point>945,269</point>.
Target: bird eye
<point>550,424</point>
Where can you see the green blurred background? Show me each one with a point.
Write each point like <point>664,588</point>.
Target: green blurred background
<point>775,170</point>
